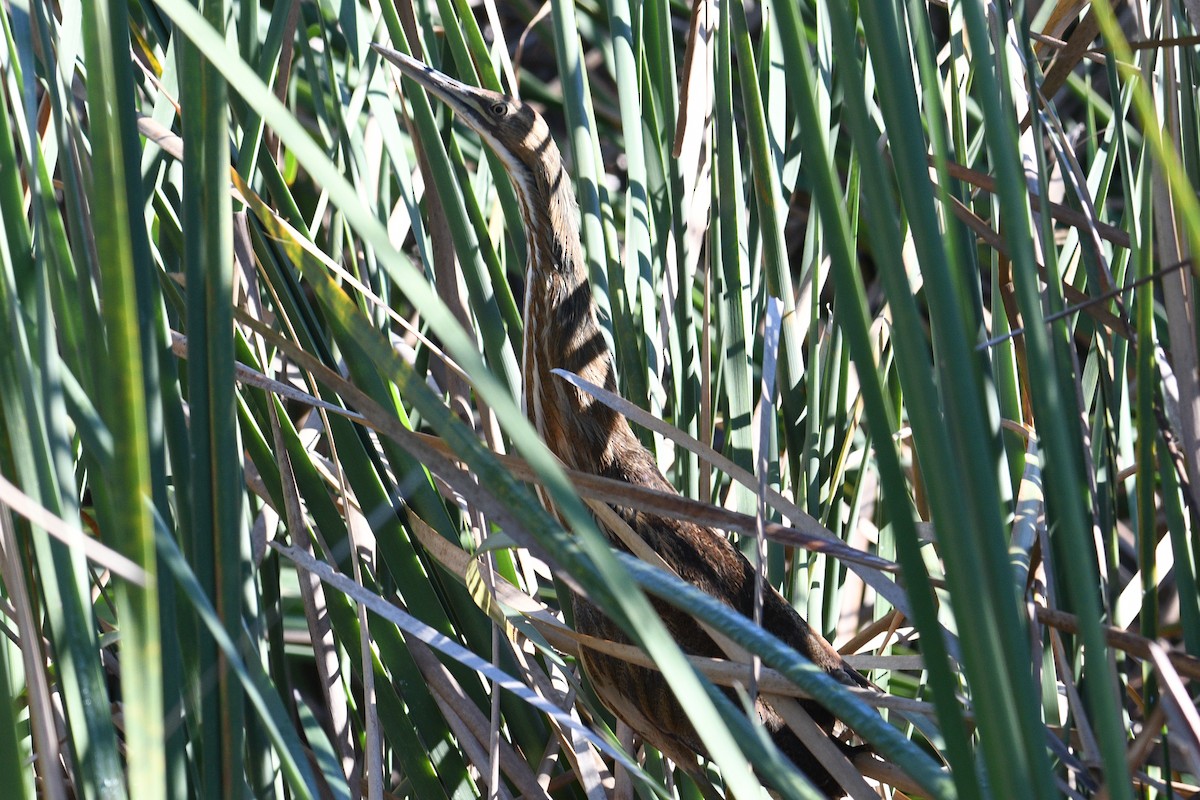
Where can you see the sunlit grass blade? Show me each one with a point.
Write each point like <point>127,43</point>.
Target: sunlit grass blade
<point>124,402</point>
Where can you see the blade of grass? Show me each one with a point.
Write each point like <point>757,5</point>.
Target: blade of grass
<point>106,34</point>
<point>1052,396</point>
<point>853,320</point>
<point>217,538</point>
<point>961,480</point>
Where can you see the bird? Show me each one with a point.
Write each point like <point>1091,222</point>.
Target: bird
<point>562,331</point>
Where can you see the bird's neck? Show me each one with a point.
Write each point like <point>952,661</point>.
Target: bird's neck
<point>562,332</point>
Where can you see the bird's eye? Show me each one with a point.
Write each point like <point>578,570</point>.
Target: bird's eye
<point>499,109</point>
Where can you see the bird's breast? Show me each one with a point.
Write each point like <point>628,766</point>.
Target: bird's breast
<point>561,332</point>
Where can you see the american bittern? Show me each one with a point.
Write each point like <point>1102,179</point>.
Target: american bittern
<point>561,331</point>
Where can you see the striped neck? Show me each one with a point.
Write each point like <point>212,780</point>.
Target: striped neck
<point>561,328</point>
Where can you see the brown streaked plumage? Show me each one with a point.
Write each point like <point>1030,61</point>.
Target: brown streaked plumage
<point>561,331</point>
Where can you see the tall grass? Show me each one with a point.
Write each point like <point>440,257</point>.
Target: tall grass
<point>907,287</point>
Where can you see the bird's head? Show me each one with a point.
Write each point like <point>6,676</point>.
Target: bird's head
<point>510,128</point>
<point>519,136</point>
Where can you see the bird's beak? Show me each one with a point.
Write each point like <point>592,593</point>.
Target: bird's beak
<point>444,87</point>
